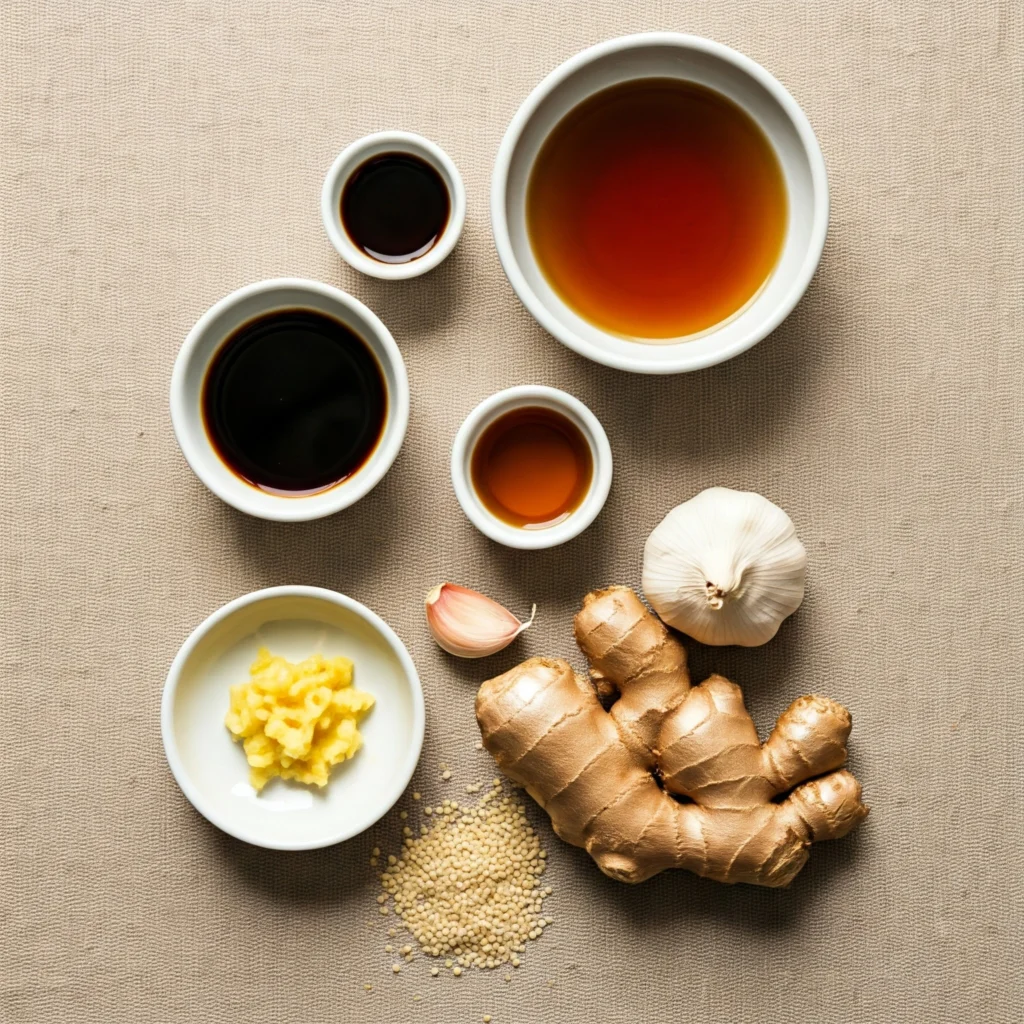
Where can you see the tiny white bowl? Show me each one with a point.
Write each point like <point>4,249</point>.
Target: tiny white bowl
<point>202,344</point>
<point>210,767</point>
<point>350,160</point>
<point>751,87</point>
<point>530,396</point>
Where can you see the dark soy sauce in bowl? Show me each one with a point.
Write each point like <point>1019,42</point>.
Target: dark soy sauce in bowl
<point>294,402</point>
<point>395,207</point>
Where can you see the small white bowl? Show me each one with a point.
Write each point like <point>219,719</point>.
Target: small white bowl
<point>525,396</point>
<point>350,160</point>
<point>201,345</point>
<point>211,768</point>
<point>750,86</point>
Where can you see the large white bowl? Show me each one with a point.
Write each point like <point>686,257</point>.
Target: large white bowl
<point>211,768</point>
<point>659,55</point>
<point>201,345</point>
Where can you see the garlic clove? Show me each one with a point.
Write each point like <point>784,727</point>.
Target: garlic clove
<point>469,624</point>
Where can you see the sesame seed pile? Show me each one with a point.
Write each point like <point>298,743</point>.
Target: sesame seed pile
<point>468,887</point>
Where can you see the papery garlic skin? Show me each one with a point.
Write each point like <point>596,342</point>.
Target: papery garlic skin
<point>469,624</point>
<point>725,567</point>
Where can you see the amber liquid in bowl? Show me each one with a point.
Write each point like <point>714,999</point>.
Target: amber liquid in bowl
<point>656,209</point>
<point>531,467</point>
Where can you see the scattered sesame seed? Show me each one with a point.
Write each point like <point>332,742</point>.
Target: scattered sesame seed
<point>367,988</point>
<point>467,889</point>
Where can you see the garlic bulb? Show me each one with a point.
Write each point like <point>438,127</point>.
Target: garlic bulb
<point>468,624</point>
<point>725,567</point>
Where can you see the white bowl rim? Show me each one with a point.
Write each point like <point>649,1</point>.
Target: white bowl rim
<point>322,503</point>
<point>684,362</point>
<point>581,518</point>
<point>195,797</point>
<point>403,142</point>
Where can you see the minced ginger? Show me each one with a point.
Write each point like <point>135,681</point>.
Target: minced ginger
<point>297,720</point>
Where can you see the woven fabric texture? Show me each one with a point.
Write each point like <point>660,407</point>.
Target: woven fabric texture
<point>155,156</point>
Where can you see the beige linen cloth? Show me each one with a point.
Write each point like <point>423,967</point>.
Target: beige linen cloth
<point>154,156</point>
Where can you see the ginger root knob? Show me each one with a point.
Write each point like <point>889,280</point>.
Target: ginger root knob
<point>597,772</point>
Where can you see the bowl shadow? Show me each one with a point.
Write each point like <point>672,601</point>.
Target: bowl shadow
<point>675,896</point>
<point>724,411</point>
<point>418,307</point>
<point>350,545</point>
<point>332,875</point>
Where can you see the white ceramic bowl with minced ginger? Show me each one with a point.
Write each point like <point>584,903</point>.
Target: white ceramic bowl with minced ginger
<point>211,768</point>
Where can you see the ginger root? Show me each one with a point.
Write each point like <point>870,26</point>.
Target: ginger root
<point>671,776</point>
